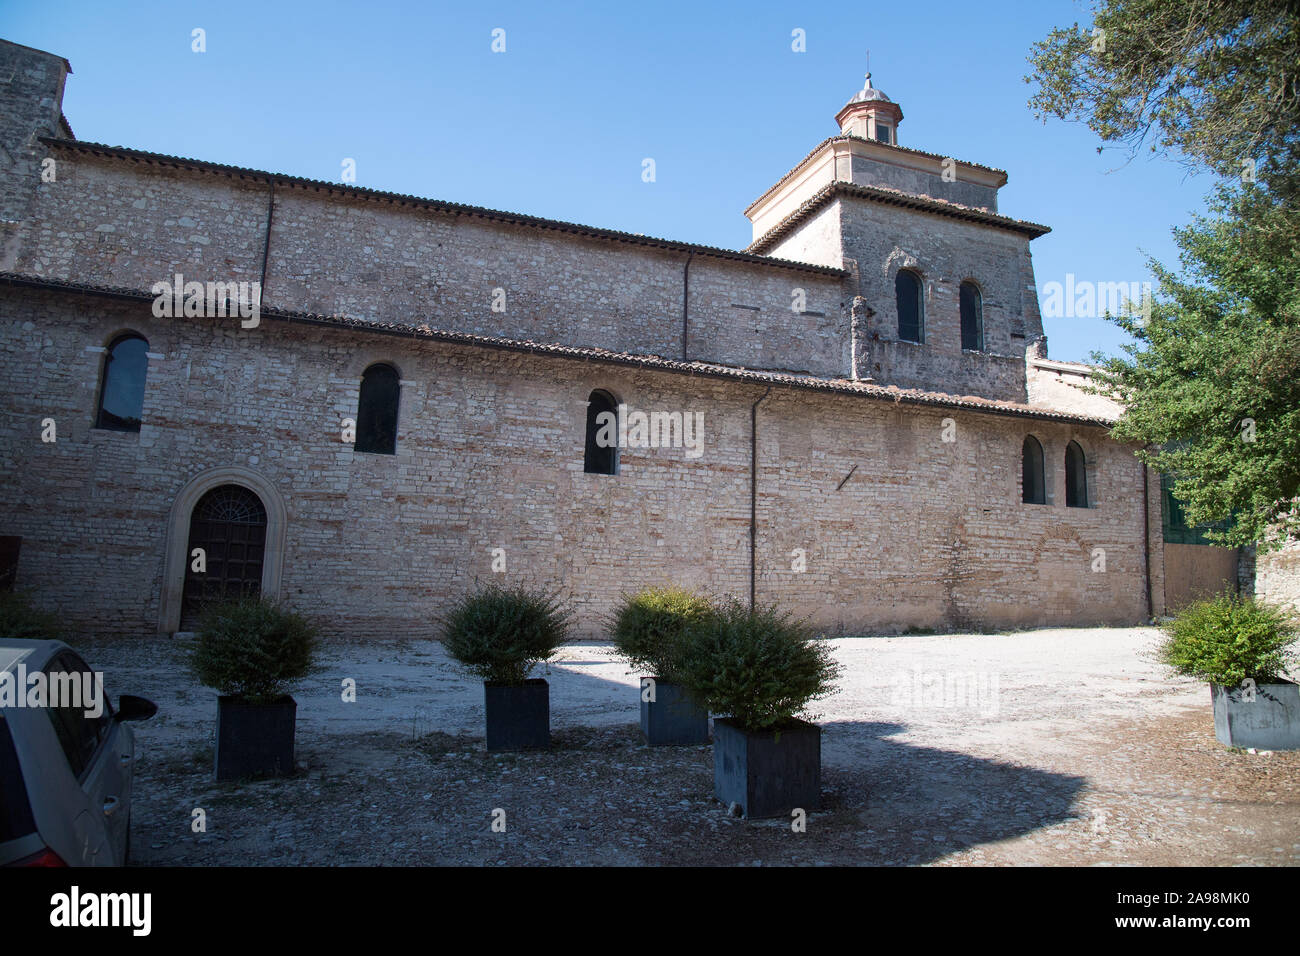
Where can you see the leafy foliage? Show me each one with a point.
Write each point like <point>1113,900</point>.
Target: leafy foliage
<point>1229,639</point>
<point>649,628</point>
<point>760,667</point>
<point>1216,82</point>
<point>20,620</point>
<point>499,633</point>
<point>252,648</point>
<point>1212,377</point>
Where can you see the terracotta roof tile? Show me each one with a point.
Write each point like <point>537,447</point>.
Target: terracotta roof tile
<point>863,389</point>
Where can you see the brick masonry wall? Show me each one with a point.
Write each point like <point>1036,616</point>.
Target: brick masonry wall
<point>884,239</point>
<point>130,224</point>
<point>925,534</point>
<point>870,172</point>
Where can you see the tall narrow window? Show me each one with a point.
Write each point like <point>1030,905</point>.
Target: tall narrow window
<point>1076,477</point>
<point>911,321</point>
<point>121,393</point>
<point>377,410</point>
<point>601,455</point>
<point>1033,487</point>
<point>972,318</point>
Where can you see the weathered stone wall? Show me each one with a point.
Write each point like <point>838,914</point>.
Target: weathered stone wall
<point>933,534</point>
<point>919,182</point>
<point>1277,576</point>
<point>884,239</point>
<point>127,224</point>
<point>927,533</point>
<point>31,91</point>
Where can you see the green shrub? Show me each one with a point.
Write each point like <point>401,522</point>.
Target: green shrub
<point>650,626</point>
<point>1229,639</point>
<point>760,667</point>
<point>252,648</point>
<point>20,620</point>
<point>499,633</point>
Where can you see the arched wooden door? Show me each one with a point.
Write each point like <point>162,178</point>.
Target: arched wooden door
<point>229,524</point>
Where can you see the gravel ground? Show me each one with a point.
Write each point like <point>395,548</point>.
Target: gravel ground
<point>1062,746</point>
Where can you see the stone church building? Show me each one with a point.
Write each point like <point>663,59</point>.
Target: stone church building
<point>363,402</point>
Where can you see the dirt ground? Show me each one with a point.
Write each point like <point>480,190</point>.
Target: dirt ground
<point>1055,747</point>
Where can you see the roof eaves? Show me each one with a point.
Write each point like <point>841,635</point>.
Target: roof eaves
<point>725,372</point>
<point>895,197</point>
<point>520,219</point>
<point>846,138</point>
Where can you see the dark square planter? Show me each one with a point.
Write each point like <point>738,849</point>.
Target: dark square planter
<point>1271,721</point>
<point>673,718</point>
<point>255,739</point>
<point>518,715</point>
<point>769,773</point>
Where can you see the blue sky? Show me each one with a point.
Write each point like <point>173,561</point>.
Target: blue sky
<point>558,124</point>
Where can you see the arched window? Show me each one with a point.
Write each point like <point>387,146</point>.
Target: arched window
<point>377,410</point>
<point>1033,487</point>
<point>121,391</point>
<point>972,317</point>
<point>911,317</point>
<point>1076,477</point>
<point>601,454</point>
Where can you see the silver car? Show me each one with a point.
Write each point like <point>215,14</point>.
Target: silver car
<point>66,758</point>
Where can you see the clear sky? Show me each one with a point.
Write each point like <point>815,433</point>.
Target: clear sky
<point>558,125</point>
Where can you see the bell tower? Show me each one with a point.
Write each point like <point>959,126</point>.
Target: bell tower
<point>871,115</point>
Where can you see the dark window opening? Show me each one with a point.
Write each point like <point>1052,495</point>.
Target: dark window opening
<point>907,292</point>
<point>377,411</point>
<point>1033,487</point>
<point>121,391</point>
<point>882,133</point>
<point>1076,477</point>
<point>1176,528</point>
<point>11,545</point>
<point>972,318</point>
<point>601,454</point>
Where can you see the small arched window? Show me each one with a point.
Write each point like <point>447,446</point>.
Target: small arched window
<point>911,317</point>
<point>1033,487</point>
<point>972,317</point>
<point>1076,477</point>
<point>381,390</point>
<point>121,391</point>
<point>601,454</point>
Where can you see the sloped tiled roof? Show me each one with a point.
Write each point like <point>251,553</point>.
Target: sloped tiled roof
<point>848,387</point>
<point>850,138</point>
<point>893,197</point>
<point>497,215</point>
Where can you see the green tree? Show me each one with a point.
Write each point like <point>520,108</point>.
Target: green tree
<point>1210,383</point>
<point>1212,377</point>
<point>1214,82</point>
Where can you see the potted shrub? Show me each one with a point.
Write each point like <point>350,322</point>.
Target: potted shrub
<point>648,630</point>
<point>499,634</point>
<point>252,651</point>
<point>759,667</point>
<point>1241,648</point>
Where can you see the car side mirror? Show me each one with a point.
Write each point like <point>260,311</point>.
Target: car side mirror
<point>130,707</point>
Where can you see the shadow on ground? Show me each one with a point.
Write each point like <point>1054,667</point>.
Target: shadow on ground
<point>599,796</point>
